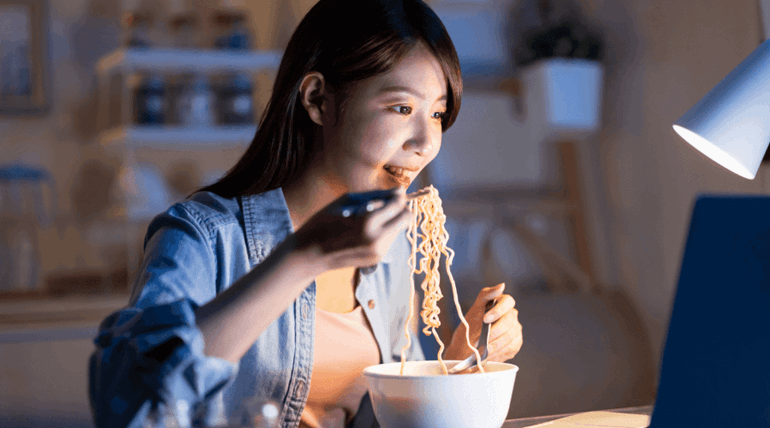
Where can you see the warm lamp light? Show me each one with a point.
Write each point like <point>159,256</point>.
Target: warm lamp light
<point>731,124</point>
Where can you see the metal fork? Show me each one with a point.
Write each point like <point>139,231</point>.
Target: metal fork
<point>483,340</point>
<point>370,201</point>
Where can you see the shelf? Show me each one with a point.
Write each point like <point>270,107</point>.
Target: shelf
<point>177,137</point>
<point>204,61</point>
<point>48,320</point>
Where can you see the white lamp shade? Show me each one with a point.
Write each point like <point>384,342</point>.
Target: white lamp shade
<point>731,124</point>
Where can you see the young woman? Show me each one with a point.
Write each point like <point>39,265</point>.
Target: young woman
<point>263,286</point>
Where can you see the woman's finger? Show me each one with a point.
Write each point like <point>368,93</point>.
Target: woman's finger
<point>504,304</point>
<point>359,256</point>
<point>476,312</point>
<point>489,293</point>
<point>398,222</point>
<point>390,211</point>
<point>507,323</point>
<point>506,346</point>
<point>500,343</point>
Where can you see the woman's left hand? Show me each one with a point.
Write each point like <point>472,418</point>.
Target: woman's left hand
<point>505,337</point>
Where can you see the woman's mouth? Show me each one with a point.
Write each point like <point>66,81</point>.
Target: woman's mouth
<point>401,175</point>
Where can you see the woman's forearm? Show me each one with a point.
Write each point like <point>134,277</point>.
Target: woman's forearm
<point>232,321</point>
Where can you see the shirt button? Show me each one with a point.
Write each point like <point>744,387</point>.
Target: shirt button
<point>305,311</point>
<point>299,389</point>
<point>371,304</point>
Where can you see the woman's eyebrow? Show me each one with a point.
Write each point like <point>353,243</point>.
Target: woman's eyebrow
<point>409,90</point>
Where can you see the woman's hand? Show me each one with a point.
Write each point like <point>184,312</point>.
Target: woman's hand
<point>505,337</point>
<point>357,229</point>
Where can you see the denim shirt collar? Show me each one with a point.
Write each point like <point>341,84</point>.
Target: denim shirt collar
<point>267,220</point>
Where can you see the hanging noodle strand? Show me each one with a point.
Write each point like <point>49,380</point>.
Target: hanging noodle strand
<point>411,236</point>
<point>432,236</point>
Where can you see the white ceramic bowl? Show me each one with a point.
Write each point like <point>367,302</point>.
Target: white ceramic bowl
<point>424,397</point>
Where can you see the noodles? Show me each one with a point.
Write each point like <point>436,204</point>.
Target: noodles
<point>429,217</point>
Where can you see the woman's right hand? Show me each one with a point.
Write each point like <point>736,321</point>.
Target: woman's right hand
<point>345,233</point>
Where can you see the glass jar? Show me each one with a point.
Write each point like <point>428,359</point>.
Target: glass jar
<point>193,101</point>
<point>149,98</point>
<point>235,99</point>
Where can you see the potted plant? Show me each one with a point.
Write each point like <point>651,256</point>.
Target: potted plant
<point>558,58</point>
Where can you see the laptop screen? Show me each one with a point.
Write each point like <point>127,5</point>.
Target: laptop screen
<point>715,370</point>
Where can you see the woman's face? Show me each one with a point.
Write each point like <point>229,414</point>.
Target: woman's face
<point>391,127</point>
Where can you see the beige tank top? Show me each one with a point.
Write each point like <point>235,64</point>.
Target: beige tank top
<point>344,346</point>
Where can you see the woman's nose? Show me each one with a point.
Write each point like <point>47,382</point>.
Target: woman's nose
<point>423,141</point>
<point>420,146</point>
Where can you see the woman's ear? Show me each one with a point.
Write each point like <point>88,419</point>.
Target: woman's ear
<point>313,93</point>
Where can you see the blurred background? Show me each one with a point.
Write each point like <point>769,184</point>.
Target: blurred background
<point>562,176</point>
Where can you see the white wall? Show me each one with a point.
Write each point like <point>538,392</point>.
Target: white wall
<point>488,146</point>
<point>662,57</point>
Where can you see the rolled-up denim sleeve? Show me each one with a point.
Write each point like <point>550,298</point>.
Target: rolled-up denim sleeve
<point>151,353</point>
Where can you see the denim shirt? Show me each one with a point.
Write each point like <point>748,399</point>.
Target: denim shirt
<point>149,355</point>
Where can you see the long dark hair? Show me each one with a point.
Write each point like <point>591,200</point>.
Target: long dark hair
<point>347,41</point>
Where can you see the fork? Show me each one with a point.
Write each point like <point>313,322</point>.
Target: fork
<point>370,201</point>
<point>471,362</point>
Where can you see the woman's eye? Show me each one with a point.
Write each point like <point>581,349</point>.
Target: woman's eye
<point>439,115</point>
<point>403,109</point>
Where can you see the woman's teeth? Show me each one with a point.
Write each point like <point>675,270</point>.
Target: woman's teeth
<point>398,172</point>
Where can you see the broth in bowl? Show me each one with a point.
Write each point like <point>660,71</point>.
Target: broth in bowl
<point>424,397</point>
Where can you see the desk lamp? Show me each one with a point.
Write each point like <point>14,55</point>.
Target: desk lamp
<point>731,124</point>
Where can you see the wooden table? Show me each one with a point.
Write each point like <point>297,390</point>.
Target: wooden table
<point>527,422</point>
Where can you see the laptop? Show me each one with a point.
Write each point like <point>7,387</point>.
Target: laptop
<point>715,370</point>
